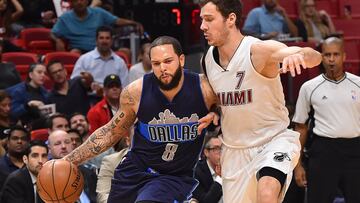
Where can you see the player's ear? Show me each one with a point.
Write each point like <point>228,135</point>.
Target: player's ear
<point>182,60</point>
<point>231,18</point>
<point>25,159</point>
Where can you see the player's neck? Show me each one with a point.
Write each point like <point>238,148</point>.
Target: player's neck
<point>228,49</point>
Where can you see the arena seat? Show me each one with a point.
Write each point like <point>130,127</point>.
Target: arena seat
<point>39,134</point>
<point>353,5</point>
<point>37,40</point>
<point>22,60</point>
<point>67,58</point>
<point>330,6</point>
<point>125,57</point>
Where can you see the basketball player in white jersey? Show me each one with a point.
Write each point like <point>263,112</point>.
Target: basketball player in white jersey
<point>334,155</point>
<point>259,153</point>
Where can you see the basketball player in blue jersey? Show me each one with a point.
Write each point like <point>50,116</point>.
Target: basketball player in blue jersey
<point>258,153</point>
<point>167,105</point>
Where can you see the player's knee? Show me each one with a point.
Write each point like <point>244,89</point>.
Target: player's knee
<point>267,195</point>
<point>269,185</point>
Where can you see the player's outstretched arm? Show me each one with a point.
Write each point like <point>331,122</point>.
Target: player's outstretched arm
<point>109,134</point>
<point>211,103</point>
<point>267,55</point>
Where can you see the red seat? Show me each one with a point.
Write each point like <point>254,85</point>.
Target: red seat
<point>248,5</point>
<point>40,134</point>
<point>125,57</point>
<point>350,27</point>
<point>68,59</point>
<point>291,7</point>
<point>353,5</point>
<point>330,6</point>
<point>22,60</point>
<point>37,40</point>
<point>352,49</point>
<point>352,66</point>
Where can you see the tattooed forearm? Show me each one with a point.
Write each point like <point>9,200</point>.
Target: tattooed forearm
<point>109,134</point>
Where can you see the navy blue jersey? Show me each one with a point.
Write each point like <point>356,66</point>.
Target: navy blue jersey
<point>166,139</point>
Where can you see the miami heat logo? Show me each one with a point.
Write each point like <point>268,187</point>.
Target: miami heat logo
<point>281,156</point>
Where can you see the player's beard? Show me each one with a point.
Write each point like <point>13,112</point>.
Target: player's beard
<point>173,83</point>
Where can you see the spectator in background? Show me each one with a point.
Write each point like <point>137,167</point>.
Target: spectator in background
<point>103,111</point>
<point>20,186</point>
<point>58,121</point>
<point>208,173</point>
<point>108,165</point>
<point>9,76</point>
<point>314,25</point>
<point>10,12</point>
<point>144,66</point>
<point>5,122</point>
<point>65,90</point>
<point>102,61</point>
<point>37,13</point>
<point>60,145</point>
<point>18,140</point>
<point>75,137</point>
<point>334,154</point>
<point>80,123</point>
<point>78,26</point>
<point>269,21</point>
<point>29,96</point>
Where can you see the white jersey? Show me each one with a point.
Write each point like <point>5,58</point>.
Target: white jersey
<point>253,106</point>
<point>336,106</point>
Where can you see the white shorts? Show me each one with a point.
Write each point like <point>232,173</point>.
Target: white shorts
<point>240,166</point>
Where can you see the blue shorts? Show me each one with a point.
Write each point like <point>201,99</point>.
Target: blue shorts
<point>131,184</point>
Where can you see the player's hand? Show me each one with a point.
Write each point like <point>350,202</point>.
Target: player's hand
<point>300,176</point>
<point>293,63</point>
<point>206,120</point>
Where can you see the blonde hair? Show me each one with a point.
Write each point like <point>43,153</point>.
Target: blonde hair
<point>323,28</point>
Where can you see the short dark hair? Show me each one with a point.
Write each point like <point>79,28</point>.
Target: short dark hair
<point>74,131</point>
<point>78,113</point>
<point>207,139</point>
<point>162,40</point>
<point>52,63</point>
<point>19,128</point>
<point>227,7</point>
<point>52,117</point>
<point>4,95</point>
<point>34,143</point>
<point>104,28</point>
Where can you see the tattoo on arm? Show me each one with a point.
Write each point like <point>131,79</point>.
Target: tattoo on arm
<point>109,134</point>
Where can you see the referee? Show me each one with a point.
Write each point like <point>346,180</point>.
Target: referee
<point>334,156</point>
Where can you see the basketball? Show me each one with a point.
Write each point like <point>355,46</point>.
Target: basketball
<point>59,181</point>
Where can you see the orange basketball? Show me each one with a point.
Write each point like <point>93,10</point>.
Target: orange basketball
<point>59,181</point>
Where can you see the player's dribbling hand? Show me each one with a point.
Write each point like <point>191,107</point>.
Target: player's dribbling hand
<point>300,176</point>
<point>206,120</point>
<point>293,63</point>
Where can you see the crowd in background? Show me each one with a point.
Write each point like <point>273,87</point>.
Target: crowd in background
<point>79,102</point>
